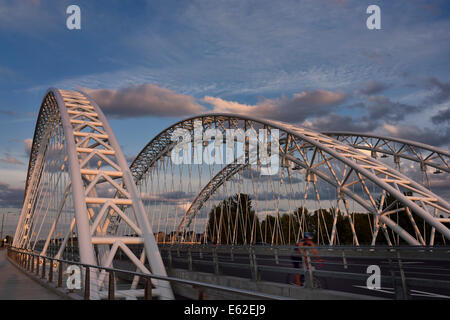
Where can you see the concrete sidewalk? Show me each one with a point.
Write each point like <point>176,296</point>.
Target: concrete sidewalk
<point>15,285</point>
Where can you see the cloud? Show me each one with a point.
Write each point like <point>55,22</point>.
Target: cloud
<point>373,87</point>
<point>28,145</point>
<point>255,175</point>
<point>441,117</point>
<point>337,122</point>
<point>28,15</point>
<point>168,198</point>
<point>301,106</point>
<point>425,135</point>
<point>382,108</point>
<point>130,159</point>
<point>440,184</point>
<point>8,113</point>
<point>10,197</point>
<point>442,91</point>
<point>152,100</point>
<point>10,160</point>
<point>144,100</point>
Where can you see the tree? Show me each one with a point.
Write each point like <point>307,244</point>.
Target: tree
<point>403,219</point>
<point>233,221</point>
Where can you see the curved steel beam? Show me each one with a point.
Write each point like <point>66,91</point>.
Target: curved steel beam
<point>425,155</point>
<point>366,167</point>
<point>87,135</point>
<point>422,153</point>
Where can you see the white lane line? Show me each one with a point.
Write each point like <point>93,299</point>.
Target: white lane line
<point>384,290</point>
<point>428,294</point>
<point>416,293</point>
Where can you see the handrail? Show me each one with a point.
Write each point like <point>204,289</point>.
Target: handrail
<point>152,276</point>
<point>397,273</point>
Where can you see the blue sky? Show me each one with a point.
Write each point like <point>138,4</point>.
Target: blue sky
<point>312,63</point>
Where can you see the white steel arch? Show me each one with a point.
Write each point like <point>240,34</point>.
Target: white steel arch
<point>362,169</point>
<point>424,154</point>
<point>75,151</point>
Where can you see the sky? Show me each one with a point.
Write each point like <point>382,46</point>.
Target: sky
<point>148,64</point>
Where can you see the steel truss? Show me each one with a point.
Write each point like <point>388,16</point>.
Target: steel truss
<point>78,179</point>
<point>317,154</point>
<point>425,155</point>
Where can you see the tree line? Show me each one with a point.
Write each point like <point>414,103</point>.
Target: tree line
<point>233,221</point>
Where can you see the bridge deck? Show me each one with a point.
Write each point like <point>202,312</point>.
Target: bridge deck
<point>15,285</point>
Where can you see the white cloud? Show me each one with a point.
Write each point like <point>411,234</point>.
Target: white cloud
<point>301,106</point>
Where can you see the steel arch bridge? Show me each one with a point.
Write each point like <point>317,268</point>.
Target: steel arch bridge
<point>346,162</point>
<point>78,179</point>
<point>83,202</point>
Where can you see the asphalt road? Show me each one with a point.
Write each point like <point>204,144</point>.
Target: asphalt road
<point>433,271</point>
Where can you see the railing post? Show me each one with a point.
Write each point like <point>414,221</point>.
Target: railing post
<point>201,293</point>
<point>344,259</point>
<point>216,261</point>
<point>148,289</point>
<point>37,264</point>
<point>28,261</point>
<point>111,286</point>
<point>43,268</point>
<point>253,265</point>
<point>395,285</point>
<point>50,272</point>
<point>60,274</point>
<point>402,276</point>
<point>32,264</point>
<point>87,283</point>
<point>190,259</point>
<point>170,257</point>
<point>308,260</point>
<point>306,274</point>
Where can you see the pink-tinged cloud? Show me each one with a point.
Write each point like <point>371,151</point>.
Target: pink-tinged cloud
<point>10,160</point>
<point>10,197</point>
<point>298,108</point>
<point>28,144</point>
<point>144,100</point>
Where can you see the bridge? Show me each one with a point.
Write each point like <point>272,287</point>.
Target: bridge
<point>180,222</point>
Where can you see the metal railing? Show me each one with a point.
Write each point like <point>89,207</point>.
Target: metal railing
<point>52,271</point>
<point>316,265</point>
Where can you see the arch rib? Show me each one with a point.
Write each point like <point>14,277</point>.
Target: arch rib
<point>365,166</point>
<point>87,135</point>
<point>421,153</point>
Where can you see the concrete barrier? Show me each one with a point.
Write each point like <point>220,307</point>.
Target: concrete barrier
<point>285,290</point>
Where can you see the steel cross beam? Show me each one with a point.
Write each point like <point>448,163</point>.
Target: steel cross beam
<point>425,155</point>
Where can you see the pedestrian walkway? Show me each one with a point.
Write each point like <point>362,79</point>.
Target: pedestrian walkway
<point>15,285</point>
